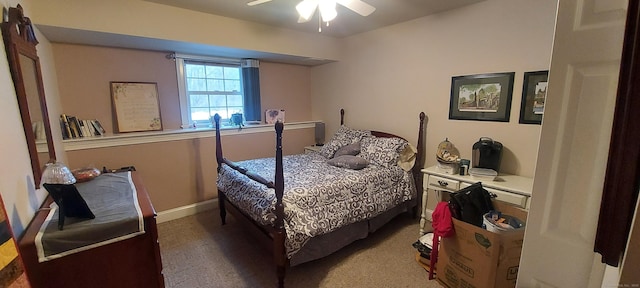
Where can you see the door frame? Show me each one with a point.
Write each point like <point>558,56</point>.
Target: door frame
<point>622,177</point>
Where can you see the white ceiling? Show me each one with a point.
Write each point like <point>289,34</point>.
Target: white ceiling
<point>282,13</point>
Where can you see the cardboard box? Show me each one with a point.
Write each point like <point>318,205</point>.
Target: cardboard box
<point>475,257</point>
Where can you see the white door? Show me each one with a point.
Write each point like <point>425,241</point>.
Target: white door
<point>574,145</point>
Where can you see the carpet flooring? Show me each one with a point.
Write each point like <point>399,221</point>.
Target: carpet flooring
<point>198,252</point>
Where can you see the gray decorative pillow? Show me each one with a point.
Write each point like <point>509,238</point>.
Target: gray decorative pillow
<point>351,149</point>
<point>344,136</point>
<point>382,151</point>
<point>348,161</point>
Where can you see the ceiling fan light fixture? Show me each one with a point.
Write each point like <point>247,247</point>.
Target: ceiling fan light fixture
<point>306,8</point>
<point>328,10</point>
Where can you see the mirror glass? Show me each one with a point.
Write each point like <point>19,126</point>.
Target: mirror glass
<point>20,44</point>
<point>30,81</point>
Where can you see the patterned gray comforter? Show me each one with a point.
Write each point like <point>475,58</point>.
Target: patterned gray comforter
<point>318,198</point>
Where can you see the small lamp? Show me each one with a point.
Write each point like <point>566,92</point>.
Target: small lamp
<point>59,182</point>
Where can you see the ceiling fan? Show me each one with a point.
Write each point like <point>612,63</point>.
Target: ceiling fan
<point>306,8</point>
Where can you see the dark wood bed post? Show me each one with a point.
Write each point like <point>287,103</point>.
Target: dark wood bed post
<point>341,117</point>
<point>279,233</point>
<point>417,167</point>
<point>220,159</point>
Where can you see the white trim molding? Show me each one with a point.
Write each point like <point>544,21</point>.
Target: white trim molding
<point>169,135</point>
<point>184,211</point>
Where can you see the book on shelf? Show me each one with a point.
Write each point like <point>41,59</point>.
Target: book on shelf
<point>99,129</point>
<point>83,128</point>
<point>75,126</point>
<point>72,127</point>
<point>88,128</point>
<point>72,132</point>
<point>64,126</point>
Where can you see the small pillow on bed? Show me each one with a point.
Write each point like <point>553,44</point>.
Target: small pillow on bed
<point>344,136</point>
<point>382,151</point>
<point>351,149</point>
<point>348,161</point>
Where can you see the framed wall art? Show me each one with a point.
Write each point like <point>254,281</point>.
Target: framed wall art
<point>274,115</point>
<point>136,106</point>
<point>534,93</point>
<point>482,97</point>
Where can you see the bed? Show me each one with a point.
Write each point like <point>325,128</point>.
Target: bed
<point>307,206</point>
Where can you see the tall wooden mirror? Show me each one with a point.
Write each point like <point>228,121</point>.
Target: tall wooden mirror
<point>20,43</point>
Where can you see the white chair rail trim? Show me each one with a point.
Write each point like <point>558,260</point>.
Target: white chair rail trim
<point>167,135</point>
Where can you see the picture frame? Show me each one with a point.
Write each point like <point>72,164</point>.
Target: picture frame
<point>136,106</point>
<point>274,115</point>
<point>481,97</point>
<point>534,93</point>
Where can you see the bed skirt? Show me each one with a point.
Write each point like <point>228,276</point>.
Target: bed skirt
<point>324,245</point>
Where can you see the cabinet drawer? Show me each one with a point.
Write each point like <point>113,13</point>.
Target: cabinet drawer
<point>441,183</point>
<point>512,198</point>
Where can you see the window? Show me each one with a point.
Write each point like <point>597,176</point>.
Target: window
<point>212,89</point>
<point>210,86</point>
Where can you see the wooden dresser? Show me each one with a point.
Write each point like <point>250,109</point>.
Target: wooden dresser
<point>133,262</point>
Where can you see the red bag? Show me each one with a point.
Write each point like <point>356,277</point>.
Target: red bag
<point>442,227</point>
<point>441,220</point>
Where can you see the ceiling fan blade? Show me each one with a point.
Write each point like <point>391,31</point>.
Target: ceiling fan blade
<point>256,2</point>
<point>357,6</point>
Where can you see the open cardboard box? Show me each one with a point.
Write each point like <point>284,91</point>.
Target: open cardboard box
<point>475,257</point>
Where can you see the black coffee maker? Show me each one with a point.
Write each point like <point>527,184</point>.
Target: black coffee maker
<point>487,154</point>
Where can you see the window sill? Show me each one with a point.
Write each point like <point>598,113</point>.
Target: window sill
<point>170,135</point>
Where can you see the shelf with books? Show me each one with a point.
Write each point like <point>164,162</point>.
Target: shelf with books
<point>72,127</point>
<point>123,139</point>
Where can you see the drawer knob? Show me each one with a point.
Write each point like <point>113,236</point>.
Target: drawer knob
<point>443,183</point>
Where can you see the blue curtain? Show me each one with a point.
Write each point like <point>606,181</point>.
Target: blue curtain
<point>251,88</point>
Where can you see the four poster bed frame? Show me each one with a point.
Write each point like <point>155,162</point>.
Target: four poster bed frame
<point>273,236</point>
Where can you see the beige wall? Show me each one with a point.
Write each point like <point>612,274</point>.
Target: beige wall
<point>176,173</point>
<point>84,73</point>
<point>288,87</point>
<point>389,75</point>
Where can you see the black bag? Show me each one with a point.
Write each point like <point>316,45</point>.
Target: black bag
<point>470,204</point>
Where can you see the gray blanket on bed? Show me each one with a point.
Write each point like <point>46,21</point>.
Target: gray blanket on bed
<point>113,200</point>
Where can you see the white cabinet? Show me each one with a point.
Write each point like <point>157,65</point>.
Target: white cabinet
<point>437,185</point>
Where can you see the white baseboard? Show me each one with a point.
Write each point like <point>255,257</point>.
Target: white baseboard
<point>176,213</point>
